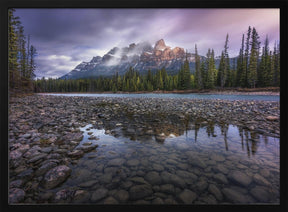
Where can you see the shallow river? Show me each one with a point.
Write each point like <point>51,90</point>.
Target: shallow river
<point>204,164</point>
<point>189,96</point>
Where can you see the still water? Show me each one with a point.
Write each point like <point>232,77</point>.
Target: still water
<point>206,163</point>
<point>177,96</point>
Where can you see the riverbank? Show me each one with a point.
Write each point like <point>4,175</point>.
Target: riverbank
<point>275,91</point>
<point>45,130</point>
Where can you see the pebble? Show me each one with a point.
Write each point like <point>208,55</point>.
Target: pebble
<point>122,196</point>
<point>187,196</point>
<point>260,193</point>
<point>240,178</point>
<point>215,191</point>
<point>81,196</point>
<point>261,180</point>
<point>235,196</point>
<point>99,194</point>
<point>16,195</point>
<point>138,192</point>
<point>116,162</point>
<point>153,178</point>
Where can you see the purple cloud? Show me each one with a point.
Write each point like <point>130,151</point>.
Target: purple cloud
<point>65,37</point>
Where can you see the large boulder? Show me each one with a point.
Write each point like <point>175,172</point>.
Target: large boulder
<point>240,178</point>
<point>16,195</point>
<point>187,196</point>
<point>140,191</point>
<point>56,176</point>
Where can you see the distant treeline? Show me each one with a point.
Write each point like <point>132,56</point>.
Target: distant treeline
<point>249,70</point>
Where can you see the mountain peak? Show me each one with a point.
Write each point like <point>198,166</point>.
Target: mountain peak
<point>141,57</point>
<point>160,45</point>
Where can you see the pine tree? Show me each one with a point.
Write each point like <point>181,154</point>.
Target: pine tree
<point>22,56</point>
<point>13,65</point>
<point>224,66</point>
<point>186,74</point>
<point>32,65</point>
<point>253,62</point>
<point>246,59</point>
<point>264,66</point>
<point>233,74</point>
<point>276,61</point>
<point>198,77</point>
<point>226,69</point>
<point>211,72</point>
<point>203,72</point>
<point>21,62</point>
<point>164,78</point>
<point>240,78</point>
<point>220,75</point>
<point>159,80</point>
<point>180,84</point>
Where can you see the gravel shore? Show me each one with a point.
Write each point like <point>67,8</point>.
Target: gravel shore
<point>44,131</point>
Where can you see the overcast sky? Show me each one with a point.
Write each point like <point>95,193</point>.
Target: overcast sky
<point>66,37</point>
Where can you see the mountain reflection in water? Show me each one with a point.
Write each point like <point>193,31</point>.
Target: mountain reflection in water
<point>166,155</point>
<point>162,127</point>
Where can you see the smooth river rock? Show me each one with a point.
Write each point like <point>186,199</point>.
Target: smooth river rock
<point>140,191</point>
<point>235,196</point>
<point>16,195</point>
<point>240,178</point>
<point>56,176</point>
<point>187,196</point>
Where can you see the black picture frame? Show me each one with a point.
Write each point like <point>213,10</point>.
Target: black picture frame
<point>6,4</point>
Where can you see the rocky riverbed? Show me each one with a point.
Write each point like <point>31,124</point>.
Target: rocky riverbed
<point>54,157</point>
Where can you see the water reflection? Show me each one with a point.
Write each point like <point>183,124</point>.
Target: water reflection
<point>152,159</point>
<point>159,127</point>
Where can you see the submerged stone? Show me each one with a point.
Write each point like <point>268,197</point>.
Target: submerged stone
<point>260,193</point>
<point>99,194</point>
<point>187,196</point>
<point>16,195</point>
<point>140,191</point>
<point>153,177</point>
<point>240,178</point>
<point>235,196</point>
<point>56,176</point>
<point>116,162</point>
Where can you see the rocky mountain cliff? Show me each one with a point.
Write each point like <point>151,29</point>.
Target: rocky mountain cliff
<point>141,57</point>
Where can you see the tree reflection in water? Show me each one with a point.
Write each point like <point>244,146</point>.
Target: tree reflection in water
<point>159,127</point>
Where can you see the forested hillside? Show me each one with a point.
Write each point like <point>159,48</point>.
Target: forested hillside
<point>255,67</point>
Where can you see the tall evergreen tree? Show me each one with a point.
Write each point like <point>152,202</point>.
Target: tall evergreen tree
<point>203,72</point>
<point>210,70</point>
<point>253,62</point>
<point>224,66</point>
<point>21,70</point>
<point>186,74</point>
<point>276,61</point>
<point>22,55</point>
<point>198,76</point>
<point>246,59</point>
<point>32,65</point>
<point>220,75</point>
<point>13,65</point>
<point>226,70</point>
<point>264,66</point>
<point>240,66</point>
